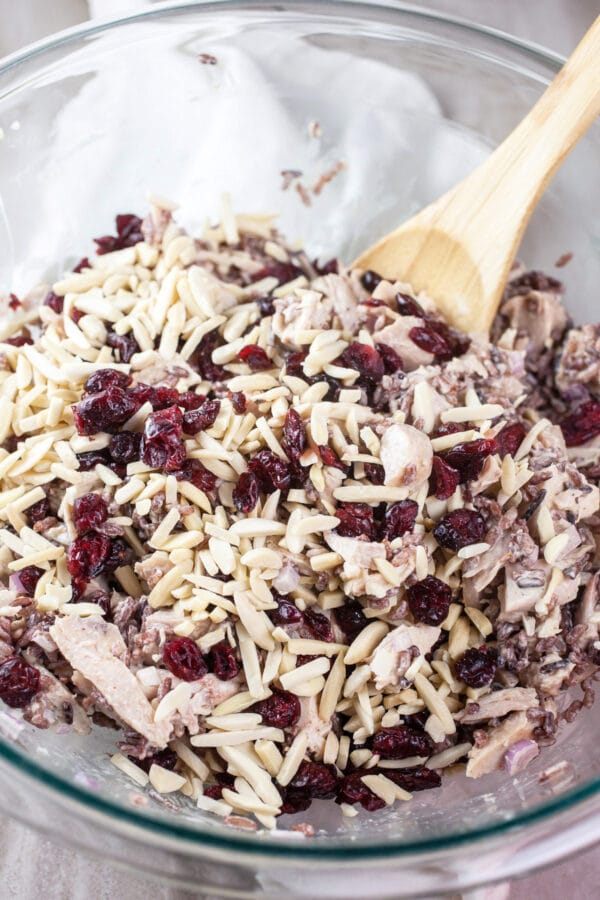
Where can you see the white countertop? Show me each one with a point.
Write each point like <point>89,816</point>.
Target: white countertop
<point>24,870</point>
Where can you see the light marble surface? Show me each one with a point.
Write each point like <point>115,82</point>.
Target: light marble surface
<point>32,867</point>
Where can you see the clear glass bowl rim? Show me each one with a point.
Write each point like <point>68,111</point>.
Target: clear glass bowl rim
<point>248,844</point>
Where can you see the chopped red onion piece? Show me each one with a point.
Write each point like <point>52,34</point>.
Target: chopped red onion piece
<point>519,756</point>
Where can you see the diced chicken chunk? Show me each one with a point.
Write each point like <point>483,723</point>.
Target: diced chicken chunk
<point>483,760</point>
<point>95,649</point>
<point>54,704</point>
<point>498,704</point>
<point>314,727</point>
<point>301,311</point>
<point>397,650</point>
<point>407,456</point>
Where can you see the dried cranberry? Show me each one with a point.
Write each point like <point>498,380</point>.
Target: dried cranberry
<point>315,780</point>
<point>255,357</point>
<point>202,358</point>
<point>444,479</point>
<point>330,458</point>
<point>294,802</point>
<point>356,519</point>
<point>350,619</point>
<point>392,363</point>
<point>448,428</point>
<point>582,425</point>
<point>55,302</point>
<point>19,682</point>
<point>214,791</point>
<point>287,613</point>
<point>92,458</point>
<point>87,555</point>
<point>162,444</point>
<point>375,473</point>
<point>196,472</point>
<point>183,658</point>
<point>126,344</point>
<point>158,397</point>
<point>89,512</point>
<point>401,742</point>
<point>120,554</point>
<point>370,280</point>
<point>101,599</point>
<point>331,267</point>
<point>83,263</point>
<point>200,419</point>
<point>39,511</point>
<point>265,306</point>
<point>29,577</point>
<point>190,400</point>
<point>417,779</point>
<point>105,411</point>
<point>14,302</point>
<point>477,667</point>
<point>76,315</point>
<point>510,439</point>
<point>293,364</point>
<point>459,528</point>
<point>399,518</point>
<point>124,447</point>
<point>166,759</point>
<point>468,458</point>
<point>238,401</point>
<point>352,789</point>
<point>102,379</point>
<point>429,600</point>
<point>430,341</point>
<point>20,340</point>
<point>458,343</point>
<point>280,710</point>
<point>245,493</point>
<point>273,473</point>
<point>283,272</point>
<point>129,232</point>
<point>366,360</point>
<point>408,306</point>
<point>294,435</point>
<point>222,661</point>
<point>318,625</point>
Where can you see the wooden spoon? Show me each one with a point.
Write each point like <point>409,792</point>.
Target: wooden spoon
<point>459,249</point>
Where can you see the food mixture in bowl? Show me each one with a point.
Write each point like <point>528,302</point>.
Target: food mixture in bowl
<point>292,534</point>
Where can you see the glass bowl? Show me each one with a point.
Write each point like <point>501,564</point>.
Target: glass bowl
<point>408,101</point>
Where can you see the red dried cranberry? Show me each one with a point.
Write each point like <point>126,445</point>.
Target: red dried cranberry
<point>408,306</point>
<point>315,780</point>
<point>460,528</point>
<point>162,445</point>
<point>352,789</point>
<point>202,358</point>
<point>102,379</point>
<point>196,472</point>
<point>255,357</point>
<point>39,511</point>
<point>280,710</point>
<point>21,340</point>
<point>510,439</point>
<point>318,625</point>
<point>190,400</point>
<point>458,343</point>
<point>126,344</point>
<point>468,458</point>
<point>294,435</point>
<point>105,411</point>
<point>129,232</point>
<point>401,742</point>
<point>29,577</point>
<point>351,619</point>
<point>76,315</point>
<point>294,802</point>
<point>430,341</point>
<point>245,493</point>
<point>166,759</point>
<point>19,682</point>
<point>366,360</point>
<point>392,363</point>
<point>417,779</point>
<point>14,302</point>
<point>582,425</point>
<point>448,428</point>
<point>287,613</point>
<point>370,280</point>
<point>372,302</point>
<point>330,458</point>
<point>273,473</point>
<point>477,667</point>
<point>159,397</point>
<point>331,267</point>
<point>87,555</point>
<point>283,272</point>
<point>101,599</point>
<point>55,302</point>
<point>83,263</point>
<point>222,661</point>
<point>265,306</point>
<point>120,554</point>
<point>92,458</point>
<point>200,419</point>
<point>293,365</point>
<point>89,512</point>
<point>238,401</point>
<point>429,600</point>
<point>444,479</point>
<point>375,473</point>
<point>214,791</point>
<point>124,447</point>
<point>399,518</point>
<point>356,519</point>
<point>183,658</point>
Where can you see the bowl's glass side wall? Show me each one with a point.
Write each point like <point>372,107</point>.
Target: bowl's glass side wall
<point>408,107</point>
